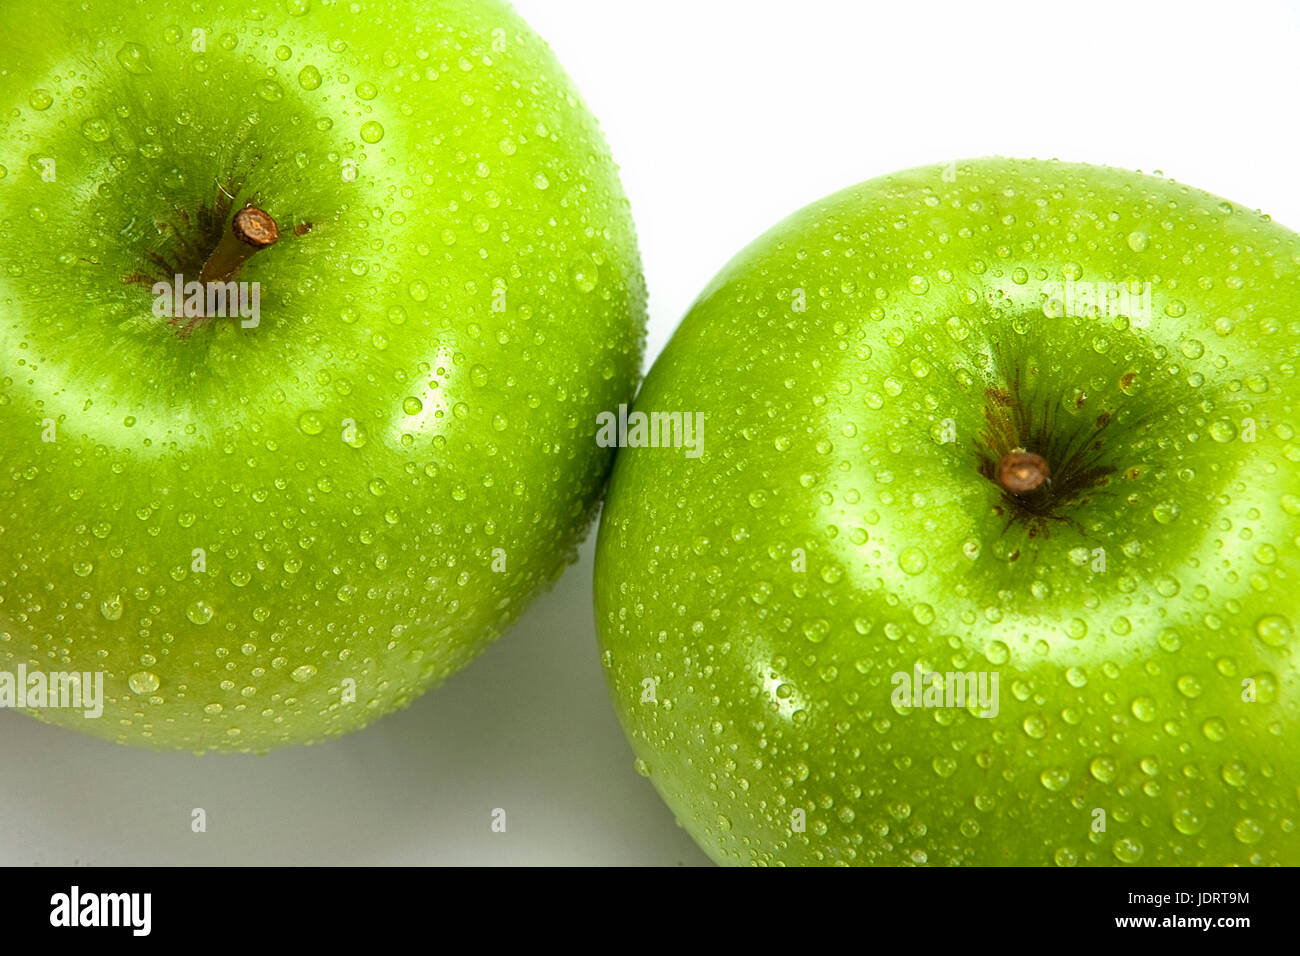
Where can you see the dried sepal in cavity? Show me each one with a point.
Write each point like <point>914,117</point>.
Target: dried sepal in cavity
<point>1022,472</point>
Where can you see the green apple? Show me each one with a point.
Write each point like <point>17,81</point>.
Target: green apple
<point>273,524</point>
<point>991,553</point>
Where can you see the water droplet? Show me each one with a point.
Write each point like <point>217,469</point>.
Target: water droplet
<point>1127,850</point>
<point>372,131</point>
<point>1188,821</point>
<point>309,77</point>
<point>1274,630</point>
<point>200,612</point>
<point>1054,779</point>
<point>41,100</point>
<point>1103,769</point>
<point>1233,773</point>
<point>1214,729</point>
<point>303,673</point>
<point>1137,240</point>
<point>143,682</point>
<point>269,90</point>
<point>913,560</point>
<point>1166,512</point>
<point>1144,709</point>
<point>586,275</point>
<point>1223,430</point>
<point>133,58</point>
<point>642,767</point>
<point>311,423</point>
<point>367,90</point>
<point>1035,725</point>
<point>1248,831</point>
<point>95,130</point>
<point>111,608</point>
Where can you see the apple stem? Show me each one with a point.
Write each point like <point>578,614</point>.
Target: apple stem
<point>1021,472</point>
<point>251,231</point>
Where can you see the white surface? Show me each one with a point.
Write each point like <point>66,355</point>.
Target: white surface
<point>725,115</point>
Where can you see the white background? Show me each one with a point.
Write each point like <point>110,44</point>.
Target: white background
<point>725,115</point>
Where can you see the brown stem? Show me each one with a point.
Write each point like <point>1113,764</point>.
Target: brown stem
<point>1021,472</point>
<point>251,231</point>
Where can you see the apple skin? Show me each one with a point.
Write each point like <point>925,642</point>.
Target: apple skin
<point>1121,690</point>
<point>385,471</point>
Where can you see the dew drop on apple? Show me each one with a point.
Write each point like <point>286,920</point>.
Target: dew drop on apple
<point>41,100</point>
<point>372,131</point>
<point>111,608</point>
<point>586,276</point>
<point>269,90</point>
<point>309,77</point>
<point>1223,431</point>
<point>133,58</point>
<point>1188,821</point>
<point>1065,857</point>
<point>642,767</point>
<point>311,423</point>
<point>1214,729</point>
<point>1274,630</point>
<point>1035,725</point>
<point>1137,240</point>
<point>200,612</point>
<point>143,682</point>
<point>1248,831</point>
<point>1143,708</point>
<point>997,652</point>
<point>1103,769</point>
<point>1233,773</point>
<point>1054,779</point>
<point>1127,850</point>
<point>913,560</point>
<point>1166,512</point>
